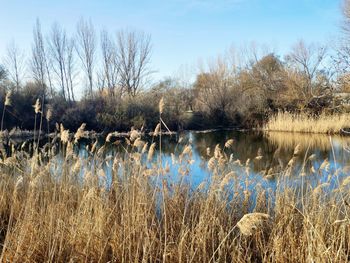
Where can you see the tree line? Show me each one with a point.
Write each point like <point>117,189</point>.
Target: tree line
<point>58,62</point>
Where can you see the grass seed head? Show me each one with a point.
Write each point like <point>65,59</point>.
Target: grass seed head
<point>325,165</point>
<point>81,133</point>
<point>297,149</point>
<point>151,151</point>
<point>211,163</point>
<point>250,223</point>
<point>65,136</point>
<point>109,137</point>
<point>157,130</point>
<point>49,113</point>
<point>138,143</point>
<point>8,100</point>
<point>208,151</point>
<point>134,134</point>
<point>144,148</point>
<point>217,151</point>
<point>37,106</point>
<point>161,105</point>
<point>229,143</point>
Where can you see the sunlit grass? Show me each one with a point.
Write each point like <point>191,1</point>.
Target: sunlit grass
<point>330,124</point>
<point>65,209</point>
<point>56,206</point>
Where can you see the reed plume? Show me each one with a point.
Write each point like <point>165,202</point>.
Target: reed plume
<point>253,222</point>
<point>7,103</point>
<point>80,133</point>
<point>229,143</point>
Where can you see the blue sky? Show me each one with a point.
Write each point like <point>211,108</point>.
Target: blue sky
<point>182,31</point>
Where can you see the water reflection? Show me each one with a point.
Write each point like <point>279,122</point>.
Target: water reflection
<point>313,141</point>
<point>267,155</point>
<point>269,149</point>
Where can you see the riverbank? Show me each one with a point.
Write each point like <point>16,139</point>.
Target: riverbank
<point>18,135</point>
<point>304,123</point>
<point>281,122</point>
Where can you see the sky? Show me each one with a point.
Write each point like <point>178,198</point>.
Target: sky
<point>183,31</point>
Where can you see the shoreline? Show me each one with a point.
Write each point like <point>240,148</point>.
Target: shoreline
<point>23,135</point>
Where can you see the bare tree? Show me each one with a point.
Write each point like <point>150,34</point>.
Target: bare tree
<point>110,62</point>
<point>86,47</point>
<point>38,61</point>
<point>341,59</point>
<point>15,64</point>
<point>307,60</point>
<point>71,67</point>
<point>58,47</point>
<point>40,69</point>
<point>3,73</point>
<point>63,60</point>
<point>40,64</point>
<point>268,73</point>
<point>134,53</point>
<point>215,89</point>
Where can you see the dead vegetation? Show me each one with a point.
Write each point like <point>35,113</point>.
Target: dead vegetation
<point>126,208</point>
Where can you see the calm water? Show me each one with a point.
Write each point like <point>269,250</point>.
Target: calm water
<point>275,150</point>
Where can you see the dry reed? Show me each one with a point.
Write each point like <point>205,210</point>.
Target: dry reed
<point>71,210</point>
<point>330,124</point>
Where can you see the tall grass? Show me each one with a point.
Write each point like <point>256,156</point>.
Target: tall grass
<point>68,209</point>
<point>302,122</point>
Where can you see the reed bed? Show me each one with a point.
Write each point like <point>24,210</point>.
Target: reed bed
<point>57,206</point>
<point>302,122</point>
<point>69,209</point>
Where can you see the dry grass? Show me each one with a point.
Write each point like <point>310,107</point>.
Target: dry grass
<point>285,121</point>
<point>253,222</point>
<point>66,210</point>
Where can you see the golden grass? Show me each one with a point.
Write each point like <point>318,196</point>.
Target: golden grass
<point>250,223</point>
<point>285,121</point>
<point>66,210</point>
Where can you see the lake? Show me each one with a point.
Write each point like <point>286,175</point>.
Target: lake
<point>257,157</point>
